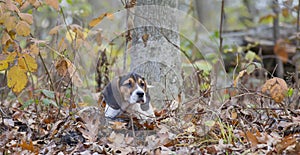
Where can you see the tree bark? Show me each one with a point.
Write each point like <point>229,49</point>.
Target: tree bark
<point>153,53</point>
<point>276,33</point>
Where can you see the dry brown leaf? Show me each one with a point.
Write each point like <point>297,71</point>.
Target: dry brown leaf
<point>116,138</point>
<point>26,17</point>
<point>10,22</point>
<point>28,147</point>
<point>23,28</point>
<point>118,125</point>
<point>53,3</point>
<point>280,49</point>
<point>252,138</point>
<point>65,67</point>
<point>97,20</point>
<point>34,49</point>
<point>55,30</point>
<point>277,89</point>
<point>241,74</point>
<point>285,142</point>
<point>11,6</point>
<point>145,38</point>
<point>61,67</point>
<point>24,6</point>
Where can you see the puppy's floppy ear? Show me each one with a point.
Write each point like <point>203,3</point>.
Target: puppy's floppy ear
<point>146,106</point>
<point>109,97</point>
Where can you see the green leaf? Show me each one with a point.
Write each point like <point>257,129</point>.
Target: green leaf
<point>257,64</point>
<point>210,123</point>
<point>290,92</point>
<point>27,103</point>
<point>250,56</point>
<point>250,68</point>
<point>47,102</point>
<point>48,93</point>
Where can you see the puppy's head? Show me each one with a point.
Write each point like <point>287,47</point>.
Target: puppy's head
<point>133,87</point>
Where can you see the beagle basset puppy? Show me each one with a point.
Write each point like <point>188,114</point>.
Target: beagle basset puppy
<point>128,93</point>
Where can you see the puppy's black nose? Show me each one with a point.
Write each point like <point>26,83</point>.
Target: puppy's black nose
<point>140,94</point>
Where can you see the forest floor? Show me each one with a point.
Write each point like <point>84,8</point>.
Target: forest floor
<point>248,122</point>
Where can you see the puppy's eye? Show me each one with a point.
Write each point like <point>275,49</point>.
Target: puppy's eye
<point>129,84</point>
<point>142,84</point>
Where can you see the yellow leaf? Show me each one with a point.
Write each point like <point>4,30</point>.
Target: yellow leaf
<point>3,65</point>
<point>53,3</point>
<point>11,57</point>
<point>27,62</point>
<point>267,18</point>
<point>10,23</point>
<point>23,28</point>
<point>19,1</point>
<point>70,35</point>
<point>97,20</point>
<point>26,17</point>
<point>16,79</point>
<point>285,12</point>
<point>241,74</point>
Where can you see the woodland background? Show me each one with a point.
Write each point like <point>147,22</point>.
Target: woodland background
<point>49,99</point>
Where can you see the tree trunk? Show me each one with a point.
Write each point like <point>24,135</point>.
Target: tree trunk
<point>154,54</point>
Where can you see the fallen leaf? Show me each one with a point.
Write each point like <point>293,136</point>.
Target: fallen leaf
<point>118,125</point>
<point>284,143</point>
<point>277,89</point>
<point>252,138</point>
<point>28,147</point>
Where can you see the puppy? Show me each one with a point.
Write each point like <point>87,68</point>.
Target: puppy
<point>128,93</point>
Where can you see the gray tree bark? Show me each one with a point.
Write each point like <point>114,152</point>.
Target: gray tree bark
<point>153,54</point>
